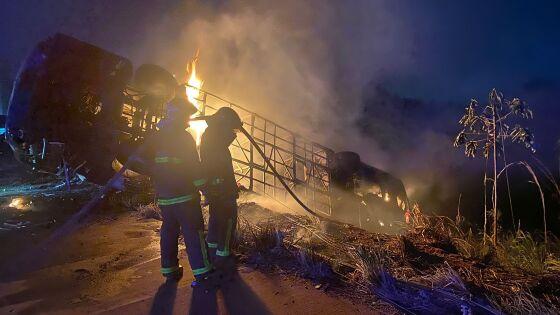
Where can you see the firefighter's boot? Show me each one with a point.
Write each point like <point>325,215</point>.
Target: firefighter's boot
<point>221,233</point>
<point>205,282</point>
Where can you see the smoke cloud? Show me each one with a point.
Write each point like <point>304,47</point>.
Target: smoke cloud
<point>314,68</point>
<point>287,60</point>
<point>347,74</point>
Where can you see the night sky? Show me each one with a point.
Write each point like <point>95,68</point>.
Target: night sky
<point>457,50</point>
<point>435,55</point>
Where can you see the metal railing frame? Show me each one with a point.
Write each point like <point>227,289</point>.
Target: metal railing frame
<point>302,163</point>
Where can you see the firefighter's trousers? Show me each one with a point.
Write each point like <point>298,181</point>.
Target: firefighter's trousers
<point>222,225</point>
<point>185,217</point>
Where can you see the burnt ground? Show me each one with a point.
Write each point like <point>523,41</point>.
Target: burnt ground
<point>111,265</point>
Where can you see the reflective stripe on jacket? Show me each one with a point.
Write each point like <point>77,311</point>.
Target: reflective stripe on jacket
<point>175,163</point>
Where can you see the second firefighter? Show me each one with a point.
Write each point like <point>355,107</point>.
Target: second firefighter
<point>222,190</point>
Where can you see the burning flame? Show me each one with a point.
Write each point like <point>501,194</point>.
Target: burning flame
<point>194,84</point>
<point>17,203</point>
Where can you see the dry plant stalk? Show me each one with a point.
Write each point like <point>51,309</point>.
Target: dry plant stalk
<point>489,129</point>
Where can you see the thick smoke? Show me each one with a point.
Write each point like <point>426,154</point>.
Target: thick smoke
<point>325,69</point>
<point>316,69</point>
<point>288,60</point>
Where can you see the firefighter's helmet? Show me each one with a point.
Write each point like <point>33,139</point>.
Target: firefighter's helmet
<point>226,117</point>
<point>156,81</point>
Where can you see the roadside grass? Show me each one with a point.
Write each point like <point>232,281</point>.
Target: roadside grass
<point>524,302</point>
<point>520,250</point>
<point>313,266</point>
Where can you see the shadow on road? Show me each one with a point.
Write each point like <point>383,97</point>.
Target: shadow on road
<point>164,299</point>
<point>203,303</point>
<point>240,298</point>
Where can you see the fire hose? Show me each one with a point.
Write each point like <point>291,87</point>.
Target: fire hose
<point>278,176</point>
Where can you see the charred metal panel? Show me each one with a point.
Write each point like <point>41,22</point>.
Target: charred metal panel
<point>364,195</point>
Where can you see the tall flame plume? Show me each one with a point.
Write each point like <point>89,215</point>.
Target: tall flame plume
<point>194,84</point>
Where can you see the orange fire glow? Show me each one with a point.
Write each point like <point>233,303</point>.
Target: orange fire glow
<point>18,203</point>
<point>194,84</point>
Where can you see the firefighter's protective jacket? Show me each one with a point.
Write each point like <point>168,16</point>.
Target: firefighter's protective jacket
<point>217,162</point>
<point>175,166</point>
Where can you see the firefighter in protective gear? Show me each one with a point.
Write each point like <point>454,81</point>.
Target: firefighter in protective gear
<point>222,191</point>
<point>176,173</point>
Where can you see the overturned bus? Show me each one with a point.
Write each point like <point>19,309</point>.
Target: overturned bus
<point>78,109</point>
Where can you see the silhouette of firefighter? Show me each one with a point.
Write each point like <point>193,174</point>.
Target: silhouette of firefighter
<point>176,172</point>
<point>221,187</point>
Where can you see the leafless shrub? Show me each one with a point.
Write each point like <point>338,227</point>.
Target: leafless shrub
<point>265,237</point>
<point>435,226</point>
<point>486,130</point>
<point>444,230</point>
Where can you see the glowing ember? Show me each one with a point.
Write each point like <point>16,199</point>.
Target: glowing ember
<point>194,84</point>
<point>401,203</point>
<point>387,198</point>
<point>17,203</point>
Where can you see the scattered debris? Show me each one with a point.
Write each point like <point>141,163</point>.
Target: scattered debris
<point>11,225</point>
<point>14,225</point>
